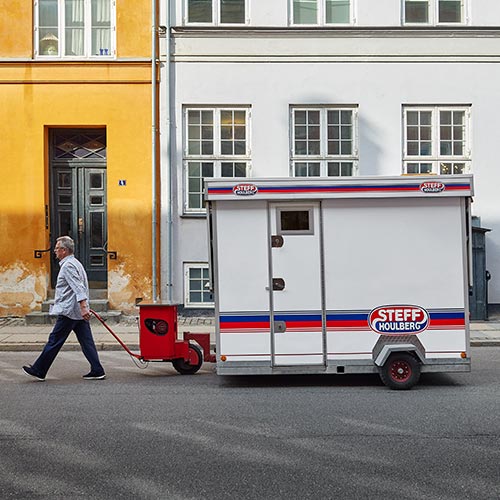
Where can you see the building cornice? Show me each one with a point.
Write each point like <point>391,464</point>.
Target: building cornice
<point>335,32</point>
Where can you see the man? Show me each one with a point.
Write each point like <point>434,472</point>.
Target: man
<point>71,305</point>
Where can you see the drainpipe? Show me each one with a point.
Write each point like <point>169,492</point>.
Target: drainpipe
<point>166,174</point>
<point>154,119</point>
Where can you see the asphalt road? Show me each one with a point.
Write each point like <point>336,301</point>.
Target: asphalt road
<point>154,434</point>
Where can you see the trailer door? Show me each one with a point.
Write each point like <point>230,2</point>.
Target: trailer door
<point>295,269</point>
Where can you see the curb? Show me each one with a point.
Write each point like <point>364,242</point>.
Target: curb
<point>104,346</point>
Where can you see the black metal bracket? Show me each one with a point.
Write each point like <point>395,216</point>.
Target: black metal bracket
<point>112,255</point>
<point>38,254</point>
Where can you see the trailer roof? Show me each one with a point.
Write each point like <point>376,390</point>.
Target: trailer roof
<point>406,186</point>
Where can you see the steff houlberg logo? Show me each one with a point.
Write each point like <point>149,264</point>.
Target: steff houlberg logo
<point>245,189</point>
<point>432,187</point>
<point>398,320</point>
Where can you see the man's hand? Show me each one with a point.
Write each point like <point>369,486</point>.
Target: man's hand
<point>85,310</point>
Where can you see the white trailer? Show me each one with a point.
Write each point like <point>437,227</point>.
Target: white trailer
<point>344,275</point>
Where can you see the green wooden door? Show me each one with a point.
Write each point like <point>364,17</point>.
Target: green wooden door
<point>78,198</point>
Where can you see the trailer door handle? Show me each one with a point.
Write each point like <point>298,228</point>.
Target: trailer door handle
<point>278,284</point>
<point>277,241</point>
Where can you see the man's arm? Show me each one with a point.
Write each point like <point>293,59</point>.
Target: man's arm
<point>76,284</point>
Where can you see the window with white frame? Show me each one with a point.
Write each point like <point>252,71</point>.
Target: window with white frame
<point>197,292</point>
<point>324,141</point>
<point>434,11</point>
<point>216,145</point>
<point>215,11</point>
<point>437,140</point>
<point>321,12</point>
<point>74,28</point>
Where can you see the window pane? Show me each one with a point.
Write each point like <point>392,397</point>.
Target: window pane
<point>425,148</point>
<point>96,181</point>
<point>64,222</point>
<point>101,27</point>
<point>305,12</point>
<point>416,11</point>
<point>207,169</point>
<point>232,11</point>
<point>450,11</point>
<point>314,170</point>
<point>445,168</point>
<point>207,147</point>
<point>48,31</point>
<point>240,169</point>
<point>445,117</point>
<point>346,169</point>
<point>96,230</point>
<point>301,169</point>
<point>194,273</point>
<point>337,11</point>
<point>313,148</point>
<point>227,169</point>
<point>412,117</point>
<point>295,220</point>
<point>199,11</point>
<point>333,169</point>
<point>300,117</point>
<point>346,147</point>
<point>75,28</point>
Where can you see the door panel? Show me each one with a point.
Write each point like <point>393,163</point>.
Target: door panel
<point>79,211</point>
<point>93,237</point>
<point>296,284</point>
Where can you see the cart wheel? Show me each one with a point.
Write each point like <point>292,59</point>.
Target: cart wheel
<point>185,367</point>
<point>401,371</point>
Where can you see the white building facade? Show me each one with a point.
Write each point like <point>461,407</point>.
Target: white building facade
<point>279,88</point>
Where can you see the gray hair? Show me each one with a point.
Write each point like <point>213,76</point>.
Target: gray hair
<point>66,242</point>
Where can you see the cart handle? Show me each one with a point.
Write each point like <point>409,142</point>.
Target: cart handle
<point>116,336</point>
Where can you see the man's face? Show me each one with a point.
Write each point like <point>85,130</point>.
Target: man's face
<point>60,251</point>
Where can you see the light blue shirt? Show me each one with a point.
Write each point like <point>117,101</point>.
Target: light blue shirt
<point>72,287</point>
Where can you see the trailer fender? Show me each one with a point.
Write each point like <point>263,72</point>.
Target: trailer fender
<point>388,349</point>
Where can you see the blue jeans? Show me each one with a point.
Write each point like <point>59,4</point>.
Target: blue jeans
<point>58,336</point>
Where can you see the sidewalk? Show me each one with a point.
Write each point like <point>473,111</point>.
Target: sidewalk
<point>16,336</point>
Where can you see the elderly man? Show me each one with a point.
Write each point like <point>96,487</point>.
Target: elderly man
<point>71,305</point>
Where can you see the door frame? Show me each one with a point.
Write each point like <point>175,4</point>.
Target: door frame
<point>78,207</point>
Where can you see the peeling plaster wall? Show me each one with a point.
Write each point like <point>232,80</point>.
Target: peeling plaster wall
<point>124,288</point>
<point>21,290</point>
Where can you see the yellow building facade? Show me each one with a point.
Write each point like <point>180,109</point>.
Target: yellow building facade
<point>76,143</point>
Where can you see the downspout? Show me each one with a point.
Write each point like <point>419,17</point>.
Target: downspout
<point>154,120</point>
<point>168,164</point>
<point>166,173</point>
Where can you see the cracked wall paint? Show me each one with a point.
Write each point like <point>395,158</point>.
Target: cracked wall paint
<point>21,290</point>
<point>124,289</point>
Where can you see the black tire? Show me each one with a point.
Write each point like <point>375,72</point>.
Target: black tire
<point>401,371</point>
<point>183,367</point>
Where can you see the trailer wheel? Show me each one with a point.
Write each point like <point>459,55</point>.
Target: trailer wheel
<point>187,368</point>
<point>401,371</point>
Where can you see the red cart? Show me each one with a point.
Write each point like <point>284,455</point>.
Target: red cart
<point>158,339</point>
